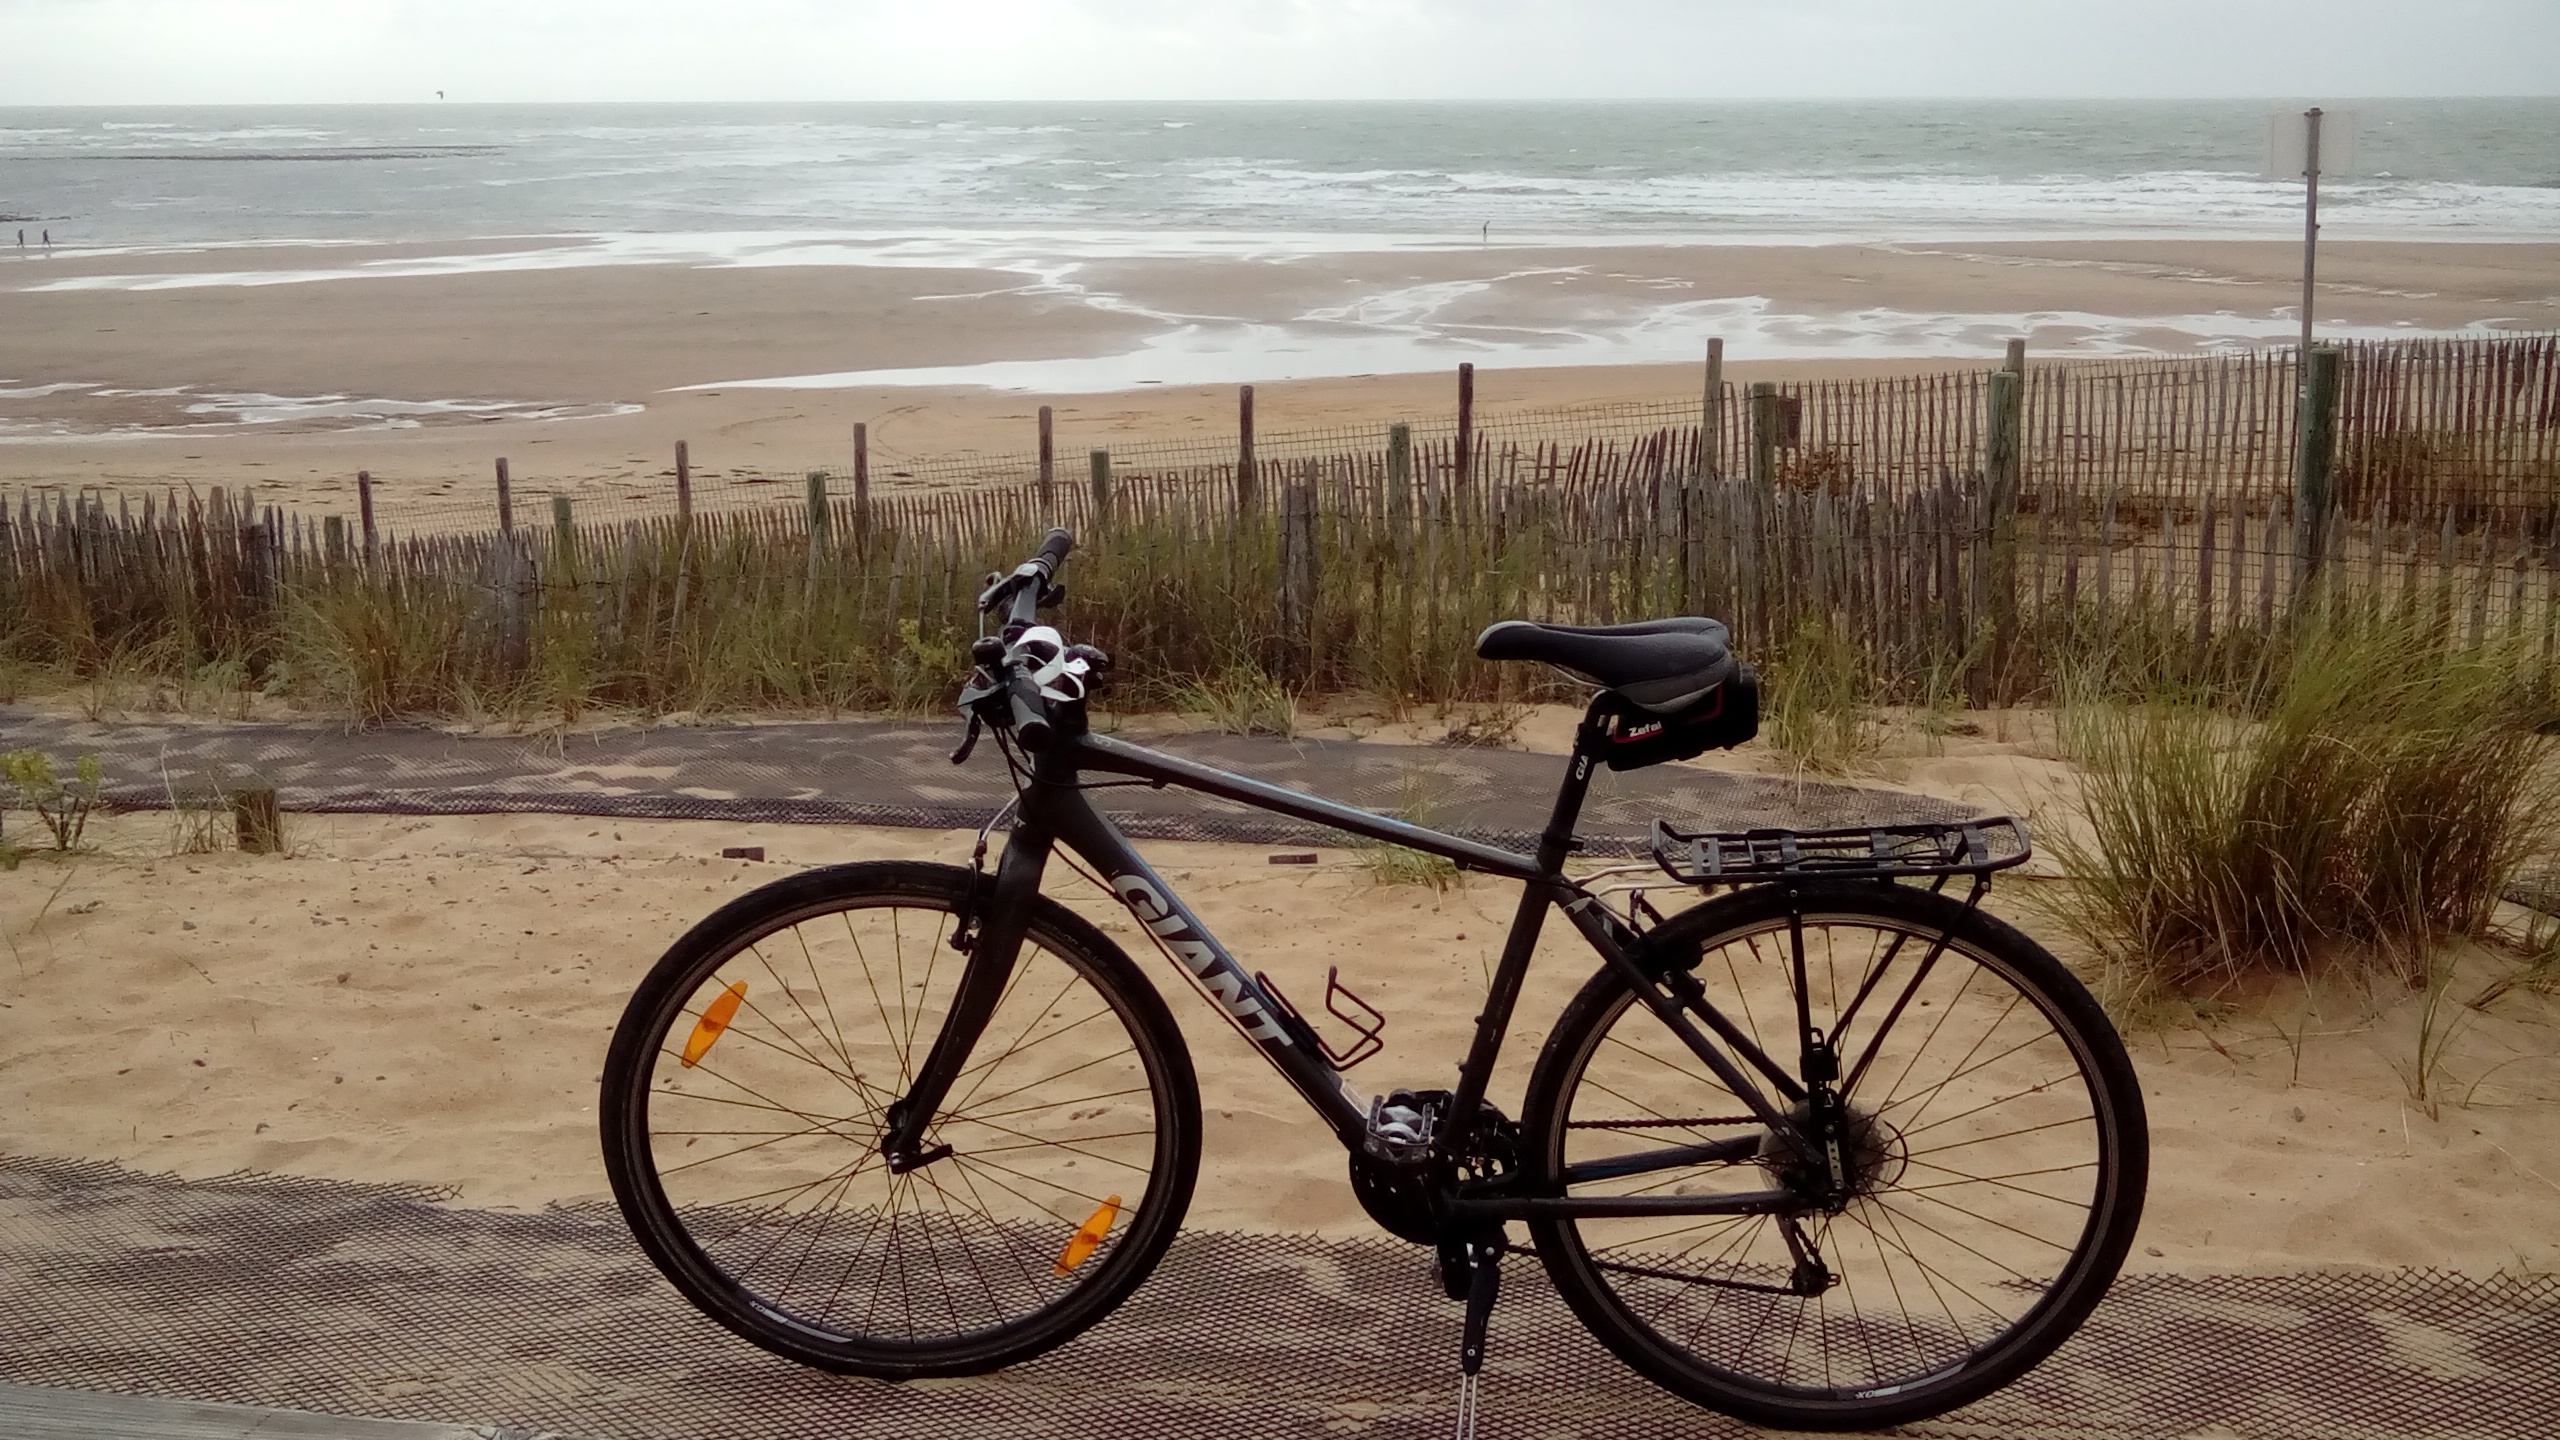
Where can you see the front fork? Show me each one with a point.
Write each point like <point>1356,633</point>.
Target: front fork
<point>997,917</point>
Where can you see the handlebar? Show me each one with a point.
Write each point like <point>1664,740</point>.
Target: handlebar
<point>1030,712</point>
<point>1028,585</point>
<point>1019,596</point>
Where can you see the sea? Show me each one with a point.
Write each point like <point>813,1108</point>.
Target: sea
<point>1219,175</point>
<point>1040,190</point>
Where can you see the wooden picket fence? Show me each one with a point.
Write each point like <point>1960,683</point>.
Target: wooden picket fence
<point>1974,531</point>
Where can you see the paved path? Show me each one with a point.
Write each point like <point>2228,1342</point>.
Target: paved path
<point>896,773</point>
<point>385,1303</point>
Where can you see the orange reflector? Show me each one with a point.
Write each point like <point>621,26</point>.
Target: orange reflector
<point>1090,1236</point>
<point>715,1018</point>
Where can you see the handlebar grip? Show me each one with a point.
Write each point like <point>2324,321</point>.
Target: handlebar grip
<point>1055,547</point>
<point>1030,712</point>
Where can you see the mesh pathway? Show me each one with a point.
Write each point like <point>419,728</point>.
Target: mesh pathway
<point>384,1302</point>
<point>868,772</point>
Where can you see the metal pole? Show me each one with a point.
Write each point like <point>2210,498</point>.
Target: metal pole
<point>2310,213</point>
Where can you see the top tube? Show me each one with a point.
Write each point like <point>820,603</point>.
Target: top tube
<point>1118,757</point>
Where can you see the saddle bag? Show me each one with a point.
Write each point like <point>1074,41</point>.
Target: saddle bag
<point>1726,716</point>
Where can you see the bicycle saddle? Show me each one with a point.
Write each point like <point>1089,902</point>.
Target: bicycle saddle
<point>1661,665</point>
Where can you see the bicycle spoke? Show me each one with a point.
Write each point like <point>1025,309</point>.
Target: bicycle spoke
<point>2036,1089</point>
<point>1969,1127</point>
<point>768,1153</point>
<point>1049,1104</point>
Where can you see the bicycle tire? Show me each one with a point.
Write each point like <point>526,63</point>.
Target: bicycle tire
<point>799,1239</point>
<point>2003,1249</point>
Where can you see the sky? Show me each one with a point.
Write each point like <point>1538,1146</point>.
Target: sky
<point>139,52</point>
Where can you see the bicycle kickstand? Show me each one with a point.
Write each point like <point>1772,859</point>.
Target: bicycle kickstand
<point>1484,1283</point>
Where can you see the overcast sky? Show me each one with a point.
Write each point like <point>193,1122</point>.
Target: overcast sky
<point>126,52</point>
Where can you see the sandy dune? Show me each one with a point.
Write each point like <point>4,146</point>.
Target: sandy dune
<point>428,1000</point>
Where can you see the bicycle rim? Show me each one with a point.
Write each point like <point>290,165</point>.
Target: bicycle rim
<point>765,1150</point>
<point>1997,1173</point>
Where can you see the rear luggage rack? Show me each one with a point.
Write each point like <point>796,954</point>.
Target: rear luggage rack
<point>1884,852</point>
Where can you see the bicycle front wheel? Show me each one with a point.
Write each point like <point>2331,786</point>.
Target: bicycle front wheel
<point>745,1097</point>
<point>1994,1149</point>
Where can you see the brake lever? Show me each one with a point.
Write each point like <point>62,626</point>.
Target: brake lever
<point>968,742</point>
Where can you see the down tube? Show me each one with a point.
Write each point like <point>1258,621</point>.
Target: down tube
<point>1249,1007</point>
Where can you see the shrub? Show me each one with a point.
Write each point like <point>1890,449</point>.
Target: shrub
<point>2375,794</point>
<point>61,806</point>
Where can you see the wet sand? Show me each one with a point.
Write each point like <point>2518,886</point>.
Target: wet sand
<point>622,342</point>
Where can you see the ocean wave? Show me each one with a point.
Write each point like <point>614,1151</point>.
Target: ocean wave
<point>2454,170</point>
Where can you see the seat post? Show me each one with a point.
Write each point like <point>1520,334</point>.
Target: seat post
<point>1588,742</point>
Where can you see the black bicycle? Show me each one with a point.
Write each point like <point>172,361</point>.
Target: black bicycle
<point>1835,1149</point>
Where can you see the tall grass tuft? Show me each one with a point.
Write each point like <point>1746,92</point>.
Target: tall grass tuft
<point>1241,699</point>
<point>1396,865</point>
<point>1822,691</point>
<point>2371,797</point>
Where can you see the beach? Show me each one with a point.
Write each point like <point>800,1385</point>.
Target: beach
<point>579,290</point>
<point>290,368</point>
<point>426,1000</point>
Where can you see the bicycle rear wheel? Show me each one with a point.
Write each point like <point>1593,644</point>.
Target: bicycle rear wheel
<point>745,1097</point>
<point>1994,1141</point>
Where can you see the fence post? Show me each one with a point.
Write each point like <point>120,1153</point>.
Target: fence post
<point>821,524</point>
<point>2005,399</point>
<point>2315,455</point>
<point>564,533</point>
<point>506,501</point>
<point>258,546</point>
<point>1298,577</point>
<point>1711,415</point>
<point>257,820</point>
<point>1245,460</point>
<point>512,577</point>
<point>1400,484</point>
<point>1464,454</point>
<point>1101,491</point>
<point>684,484</point>
<point>333,539</point>
<point>1048,458</point>
<point>364,510</point>
<point>1768,416</point>
<point>1400,522</point>
<point>1707,469</point>
<point>862,483</point>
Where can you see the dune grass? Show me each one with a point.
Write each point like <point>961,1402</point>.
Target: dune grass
<point>1822,690</point>
<point>2366,799</point>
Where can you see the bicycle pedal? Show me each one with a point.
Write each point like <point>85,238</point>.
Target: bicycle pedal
<point>1402,1124</point>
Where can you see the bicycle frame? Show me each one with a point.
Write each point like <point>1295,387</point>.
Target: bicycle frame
<point>1055,808</point>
